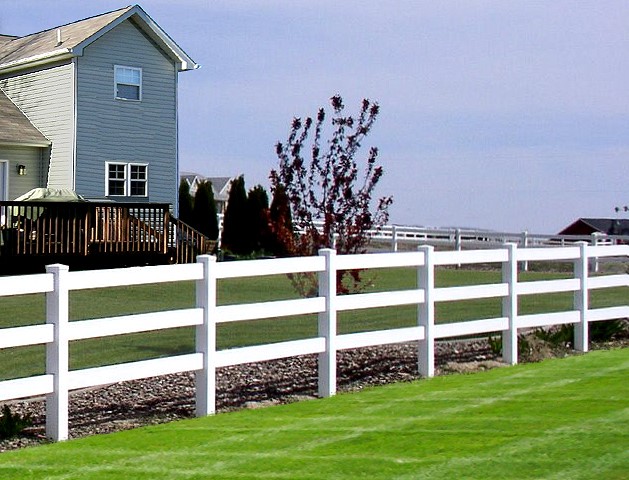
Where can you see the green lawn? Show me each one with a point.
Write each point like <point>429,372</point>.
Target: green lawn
<point>559,419</point>
<point>28,310</point>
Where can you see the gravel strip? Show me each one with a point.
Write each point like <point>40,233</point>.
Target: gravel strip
<point>132,404</point>
<point>126,405</point>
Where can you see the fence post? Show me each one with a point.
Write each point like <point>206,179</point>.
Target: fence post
<point>510,306</point>
<point>57,354</point>
<point>327,325</point>
<point>426,313</point>
<point>524,242</point>
<point>205,379</point>
<point>581,300</point>
<point>394,238</point>
<point>596,236</point>
<point>335,239</point>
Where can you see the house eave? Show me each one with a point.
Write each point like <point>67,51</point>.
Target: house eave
<point>12,143</point>
<point>37,60</point>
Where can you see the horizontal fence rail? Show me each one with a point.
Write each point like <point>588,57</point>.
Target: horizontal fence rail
<point>58,331</point>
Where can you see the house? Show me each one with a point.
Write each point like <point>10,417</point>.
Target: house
<point>91,106</point>
<point>606,226</point>
<point>220,187</point>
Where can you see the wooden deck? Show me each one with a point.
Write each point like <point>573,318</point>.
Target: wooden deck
<point>93,235</point>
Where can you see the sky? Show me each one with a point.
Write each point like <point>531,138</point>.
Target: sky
<point>506,115</point>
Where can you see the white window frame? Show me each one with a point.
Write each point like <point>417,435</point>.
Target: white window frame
<point>127,180</point>
<point>118,68</point>
<point>4,178</point>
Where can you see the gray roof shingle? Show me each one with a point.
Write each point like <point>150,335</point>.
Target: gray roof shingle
<point>15,128</point>
<point>45,43</point>
<point>16,52</point>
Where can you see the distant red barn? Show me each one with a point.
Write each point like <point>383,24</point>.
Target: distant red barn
<point>588,226</point>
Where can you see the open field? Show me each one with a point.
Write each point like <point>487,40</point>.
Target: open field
<point>559,419</point>
<point>26,310</point>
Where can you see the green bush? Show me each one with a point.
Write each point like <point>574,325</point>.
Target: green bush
<point>608,330</point>
<point>495,344</point>
<point>12,424</point>
<point>559,336</point>
<point>598,332</point>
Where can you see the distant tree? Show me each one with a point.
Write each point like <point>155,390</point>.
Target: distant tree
<point>258,219</point>
<point>282,234</point>
<point>185,202</point>
<point>235,229</point>
<point>324,183</point>
<point>204,211</point>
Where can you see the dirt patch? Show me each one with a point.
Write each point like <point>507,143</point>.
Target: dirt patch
<point>471,367</point>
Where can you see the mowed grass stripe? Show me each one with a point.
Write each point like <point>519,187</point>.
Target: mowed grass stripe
<point>556,419</point>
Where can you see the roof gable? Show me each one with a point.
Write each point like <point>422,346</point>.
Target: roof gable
<point>607,226</point>
<point>610,226</point>
<point>220,185</point>
<point>70,40</point>
<point>15,128</point>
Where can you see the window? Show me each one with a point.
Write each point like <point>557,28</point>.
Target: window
<point>128,83</point>
<point>116,174</point>
<point>126,180</point>
<point>137,180</point>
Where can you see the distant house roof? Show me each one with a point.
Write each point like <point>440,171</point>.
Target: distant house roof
<point>69,40</point>
<point>220,185</point>
<point>607,226</point>
<point>16,129</point>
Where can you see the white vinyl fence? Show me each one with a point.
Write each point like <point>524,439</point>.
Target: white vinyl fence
<point>58,332</point>
<point>466,238</point>
<point>460,238</point>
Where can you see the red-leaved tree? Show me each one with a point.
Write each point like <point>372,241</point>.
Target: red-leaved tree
<point>330,195</point>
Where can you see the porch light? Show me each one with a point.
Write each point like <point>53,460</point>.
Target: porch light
<point>21,170</point>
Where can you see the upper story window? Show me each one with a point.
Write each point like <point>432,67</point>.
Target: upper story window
<point>126,180</point>
<point>128,83</point>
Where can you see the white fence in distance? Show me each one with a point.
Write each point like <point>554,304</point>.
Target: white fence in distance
<point>459,238</point>
<point>468,238</point>
<point>465,238</point>
<point>58,331</point>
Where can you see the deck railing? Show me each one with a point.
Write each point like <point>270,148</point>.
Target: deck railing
<point>58,331</point>
<point>82,228</point>
<point>188,242</point>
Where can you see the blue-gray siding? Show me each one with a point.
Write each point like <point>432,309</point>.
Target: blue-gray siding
<point>110,130</point>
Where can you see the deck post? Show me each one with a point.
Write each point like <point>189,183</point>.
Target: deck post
<point>165,230</point>
<point>327,325</point>
<point>57,354</point>
<point>581,300</point>
<point>205,379</point>
<point>510,306</point>
<point>426,313</point>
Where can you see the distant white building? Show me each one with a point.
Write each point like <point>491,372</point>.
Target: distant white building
<point>220,187</point>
